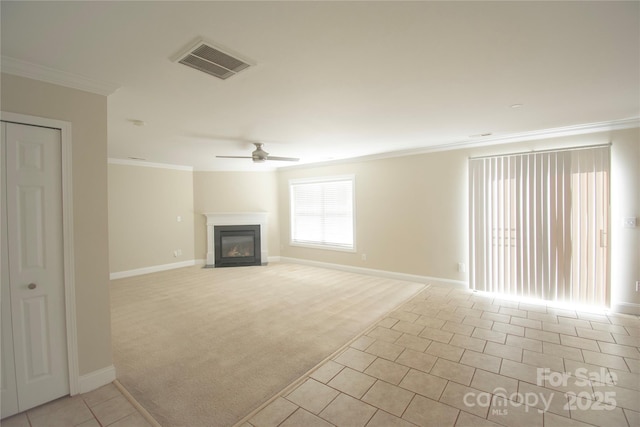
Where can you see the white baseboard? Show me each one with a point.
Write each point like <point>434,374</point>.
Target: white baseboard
<point>97,379</point>
<point>379,273</point>
<point>626,308</point>
<point>152,269</point>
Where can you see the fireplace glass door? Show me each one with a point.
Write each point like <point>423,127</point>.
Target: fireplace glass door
<point>237,245</point>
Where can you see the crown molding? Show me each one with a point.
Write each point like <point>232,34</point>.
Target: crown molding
<point>145,164</point>
<point>22,68</point>
<point>629,123</point>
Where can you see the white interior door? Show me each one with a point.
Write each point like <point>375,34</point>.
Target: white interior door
<point>33,282</point>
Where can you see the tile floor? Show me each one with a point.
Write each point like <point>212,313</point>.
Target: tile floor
<point>451,357</point>
<point>106,406</point>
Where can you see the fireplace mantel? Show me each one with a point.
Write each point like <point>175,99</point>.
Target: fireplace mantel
<point>236,218</point>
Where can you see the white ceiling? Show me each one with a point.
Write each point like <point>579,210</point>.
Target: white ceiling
<point>335,80</point>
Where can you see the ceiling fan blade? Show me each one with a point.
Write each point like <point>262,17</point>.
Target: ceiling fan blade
<point>234,157</point>
<point>284,159</point>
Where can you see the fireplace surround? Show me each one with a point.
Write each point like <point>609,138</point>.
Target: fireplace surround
<point>236,219</point>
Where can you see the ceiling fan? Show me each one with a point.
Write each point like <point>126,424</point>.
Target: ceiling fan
<point>260,156</point>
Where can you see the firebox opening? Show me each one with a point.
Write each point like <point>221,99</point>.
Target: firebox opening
<point>237,245</point>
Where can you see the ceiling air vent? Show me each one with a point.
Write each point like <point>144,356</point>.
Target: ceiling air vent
<point>212,60</point>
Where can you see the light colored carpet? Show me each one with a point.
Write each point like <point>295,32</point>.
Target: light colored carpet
<point>204,347</point>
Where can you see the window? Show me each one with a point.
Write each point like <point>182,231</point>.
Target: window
<point>539,225</point>
<point>322,212</point>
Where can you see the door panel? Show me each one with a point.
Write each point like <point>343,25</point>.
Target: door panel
<point>35,262</point>
<point>34,325</point>
<point>31,227</point>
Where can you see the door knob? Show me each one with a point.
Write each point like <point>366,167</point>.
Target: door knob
<point>32,286</point>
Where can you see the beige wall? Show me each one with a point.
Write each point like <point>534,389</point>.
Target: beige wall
<point>235,192</point>
<point>412,212</point>
<point>406,216</point>
<point>625,202</point>
<point>88,115</point>
<point>144,205</point>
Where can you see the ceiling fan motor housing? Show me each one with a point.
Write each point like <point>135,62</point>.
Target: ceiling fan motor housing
<point>259,155</point>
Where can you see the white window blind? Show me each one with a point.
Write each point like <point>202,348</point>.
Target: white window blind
<point>322,212</point>
<point>539,225</point>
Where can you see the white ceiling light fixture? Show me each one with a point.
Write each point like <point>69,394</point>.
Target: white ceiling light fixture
<point>213,60</point>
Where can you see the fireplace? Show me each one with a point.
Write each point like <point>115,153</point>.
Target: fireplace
<point>233,220</point>
<point>237,245</point>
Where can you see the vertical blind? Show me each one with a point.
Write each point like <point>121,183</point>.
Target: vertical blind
<point>322,212</point>
<point>539,225</point>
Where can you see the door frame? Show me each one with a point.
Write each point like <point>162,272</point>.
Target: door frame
<point>67,236</point>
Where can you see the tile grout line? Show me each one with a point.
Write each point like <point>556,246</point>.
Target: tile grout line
<point>145,414</point>
<point>93,414</point>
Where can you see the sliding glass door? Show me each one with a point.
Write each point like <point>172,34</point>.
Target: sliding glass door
<point>539,225</point>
